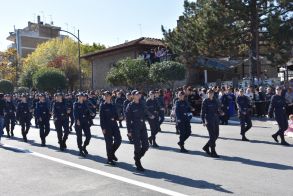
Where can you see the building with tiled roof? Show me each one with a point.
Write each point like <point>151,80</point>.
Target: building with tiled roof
<point>103,60</point>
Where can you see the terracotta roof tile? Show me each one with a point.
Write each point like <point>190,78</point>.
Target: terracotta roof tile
<point>140,41</point>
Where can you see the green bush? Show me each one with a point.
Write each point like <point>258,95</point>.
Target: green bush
<point>167,72</point>
<point>6,86</point>
<point>49,79</point>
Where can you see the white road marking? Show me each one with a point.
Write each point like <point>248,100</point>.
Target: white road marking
<point>99,172</point>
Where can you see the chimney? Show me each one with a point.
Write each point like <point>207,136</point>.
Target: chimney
<point>39,19</point>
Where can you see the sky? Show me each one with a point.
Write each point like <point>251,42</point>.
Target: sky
<point>108,22</point>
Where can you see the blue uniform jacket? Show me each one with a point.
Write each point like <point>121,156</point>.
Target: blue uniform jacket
<point>59,110</point>
<point>210,110</point>
<point>42,110</point>
<point>277,106</point>
<point>181,110</point>
<point>108,116</point>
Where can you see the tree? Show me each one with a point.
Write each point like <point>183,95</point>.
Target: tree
<point>86,48</point>
<point>49,79</point>
<point>167,72</point>
<point>8,65</point>
<point>129,72</point>
<point>6,86</point>
<point>26,78</point>
<point>61,54</point>
<point>235,28</point>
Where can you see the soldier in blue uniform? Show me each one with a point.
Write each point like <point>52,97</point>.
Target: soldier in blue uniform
<point>24,115</point>
<point>69,104</point>
<point>125,104</point>
<point>210,112</point>
<point>108,122</point>
<point>153,107</point>
<point>183,117</point>
<point>61,120</point>
<point>278,107</point>
<point>244,113</point>
<point>35,101</point>
<point>92,104</point>
<point>82,124</point>
<point>9,116</point>
<point>225,107</point>
<point>43,116</point>
<point>135,119</point>
<point>119,107</point>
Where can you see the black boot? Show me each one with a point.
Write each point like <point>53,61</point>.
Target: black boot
<point>120,124</point>
<point>111,162</point>
<point>43,142</point>
<point>244,138</point>
<point>138,165</point>
<point>12,134</point>
<point>64,144</point>
<point>283,141</point>
<point>214,153</point>
<point>24,138</point>
<point>206,148</point>
<point>182,149</point>
<point>8,132</point>
<point>275,136</point>
<point>61,147</point>
<point>81,153</point>
<point>84,150</point>
<point>155,145</point>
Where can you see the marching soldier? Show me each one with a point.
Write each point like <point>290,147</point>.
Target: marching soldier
<point>125,104</point>
<point>153,108</point>
<point>108,122</point>
<point>9,116</point>
<point>183,117</point>
<point>135,116</point>
<point>43,116</point>
<point>278,107</point>
<point>34,105</point>
<point>119,107</point>
<point>225,107</point>
<point>244,113</point>
<point>92,104</point>
<point>24,115</point>
<point>210,111</point>
<point>82,123</point>
<point>61,120</point>
<point>69,104</point>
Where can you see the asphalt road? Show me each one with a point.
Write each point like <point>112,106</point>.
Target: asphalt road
<point>258,167</point>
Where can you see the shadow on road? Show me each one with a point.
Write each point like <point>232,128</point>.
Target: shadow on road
<point>172,178</point>
<point>245,161</point>
<point>227,138</point>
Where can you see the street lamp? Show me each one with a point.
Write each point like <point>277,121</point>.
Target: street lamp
<point>78,44</point>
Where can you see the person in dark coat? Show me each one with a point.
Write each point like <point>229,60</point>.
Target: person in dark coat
<point>277,109</point>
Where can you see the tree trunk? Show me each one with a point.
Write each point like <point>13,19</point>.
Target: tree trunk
<point>254,29</point>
